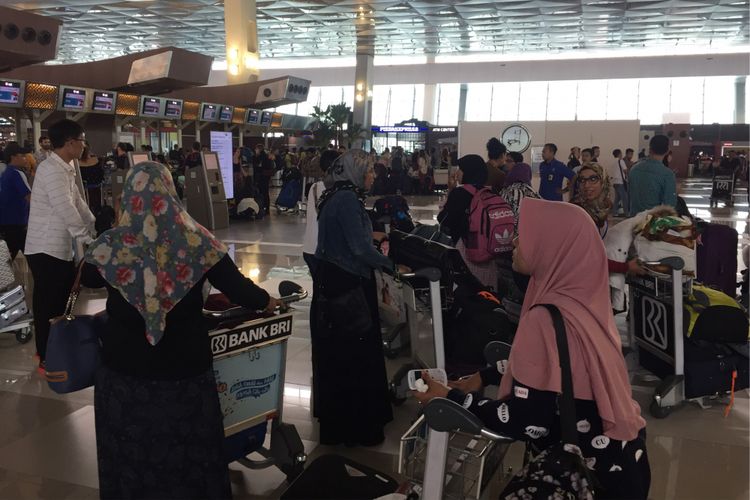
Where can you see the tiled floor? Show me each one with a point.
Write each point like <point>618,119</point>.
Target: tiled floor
<point>47,441</point>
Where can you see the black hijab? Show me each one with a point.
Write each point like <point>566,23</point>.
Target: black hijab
<point>474,169</point>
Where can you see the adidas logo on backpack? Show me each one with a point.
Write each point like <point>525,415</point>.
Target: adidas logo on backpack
<point>491,225</point>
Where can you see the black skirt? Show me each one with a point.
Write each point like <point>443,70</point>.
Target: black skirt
<point>350,386</point>
<point>159,439</point>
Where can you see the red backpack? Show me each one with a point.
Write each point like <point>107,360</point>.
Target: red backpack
<point>491,225</point>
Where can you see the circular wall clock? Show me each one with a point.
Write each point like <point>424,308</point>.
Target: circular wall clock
<point>516,138</point>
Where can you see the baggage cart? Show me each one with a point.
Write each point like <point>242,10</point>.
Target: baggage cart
<point>249,352</point>
<point>722,189</point>
<point>656,328</point>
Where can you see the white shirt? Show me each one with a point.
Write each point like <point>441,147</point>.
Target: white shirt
<point>311,230</point>
<point>58,213</point>
<point>616,171</point>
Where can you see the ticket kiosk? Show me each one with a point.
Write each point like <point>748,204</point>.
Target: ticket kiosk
<point>204,193</point>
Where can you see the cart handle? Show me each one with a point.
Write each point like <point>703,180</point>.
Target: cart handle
<point>429,273</point>
<point>444,415</point>
<point>239,311</point>
<point>675,263</point>
<point>496,351</point>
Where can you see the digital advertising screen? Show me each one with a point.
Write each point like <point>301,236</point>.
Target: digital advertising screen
<point>209,113</point>
<point>151,106</point>
<point>221,144</point>
<point>73,99</point>
<point>253,117</point>
<point>225,114</point>
<point>103,101</point>
<point>173,109</point>
<point>10,92</point>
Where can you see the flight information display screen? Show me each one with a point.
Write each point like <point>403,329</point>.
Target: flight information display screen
<point>209,112</point>
<point>151,106</point>
<point>226,114</point>
<point>103,101</point>
<point>265,118</point>
<point>10,92</point>
<point>73,99</point>
<point>253,116</point>
<point>173,109</point>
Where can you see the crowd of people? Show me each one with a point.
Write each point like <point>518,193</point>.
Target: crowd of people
<point>154,263</point>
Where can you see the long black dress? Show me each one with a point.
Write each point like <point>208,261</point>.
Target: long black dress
<point>159,426</point>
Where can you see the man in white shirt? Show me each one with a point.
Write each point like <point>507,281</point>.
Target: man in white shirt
<point>59,221</point>
<point>618,176</point>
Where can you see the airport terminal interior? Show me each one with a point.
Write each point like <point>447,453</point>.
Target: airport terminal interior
<point>236,99</point>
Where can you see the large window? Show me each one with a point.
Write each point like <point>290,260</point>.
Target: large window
<point>561,100</point>
<point>686,96</point>
<point>396,103</point>
<point>592,100</point>
<point>478,102</point>
<point>505,101</point>
<point>324,97</point>
<point>622,99</point>
<point>653,100</point>
<point>532,104</point>
<point>718,104</point>
<point>447,97</point>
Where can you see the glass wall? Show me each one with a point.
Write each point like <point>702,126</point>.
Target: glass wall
<point>707,100</point>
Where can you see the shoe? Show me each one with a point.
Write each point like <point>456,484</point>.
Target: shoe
<point>42,369</point>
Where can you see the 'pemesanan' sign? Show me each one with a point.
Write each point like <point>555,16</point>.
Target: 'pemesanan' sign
<point>248,336</point>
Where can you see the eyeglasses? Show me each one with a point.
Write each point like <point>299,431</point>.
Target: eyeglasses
<point>589,180</point>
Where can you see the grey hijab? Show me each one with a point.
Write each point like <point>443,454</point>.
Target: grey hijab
<point>351,167</point>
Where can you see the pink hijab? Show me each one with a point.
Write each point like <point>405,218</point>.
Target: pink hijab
<point>562,246</point>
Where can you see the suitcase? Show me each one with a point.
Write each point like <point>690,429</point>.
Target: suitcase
<point>395,208</point>
<point>290,194</point>
<point>709,367</point>
<point>11,297</point>
<point>13,314</point>
<point>333,477</point>
<point>717,258</point>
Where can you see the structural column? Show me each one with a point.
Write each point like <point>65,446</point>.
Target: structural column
<point>739,99</point>
<point>241,31</point>
<point>363,73</point>
<point>430,93</point>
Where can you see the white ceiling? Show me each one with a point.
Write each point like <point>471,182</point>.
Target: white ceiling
<point>99,29</point>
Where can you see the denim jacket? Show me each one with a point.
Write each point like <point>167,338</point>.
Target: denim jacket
<point>345,236</point>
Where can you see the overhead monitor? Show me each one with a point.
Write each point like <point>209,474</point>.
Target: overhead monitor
<point>265,118</point>
<point>209,112</point>
<point>211,160</point>
<point>103,102</point>
<point>11,93</point>
<point>226,113</point>
<point>252,117</point>
<point>151,106</point>
<point>134,158</point>
<point>276,120</point>
<point>173,108</point>
<point>72,99</point>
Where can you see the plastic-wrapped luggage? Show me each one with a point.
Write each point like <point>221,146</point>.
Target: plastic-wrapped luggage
<point>290,194</point>
<point>717,258</point>
<point>12,306</point>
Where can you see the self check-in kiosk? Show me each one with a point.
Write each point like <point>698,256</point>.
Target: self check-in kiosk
<point>204,193</point>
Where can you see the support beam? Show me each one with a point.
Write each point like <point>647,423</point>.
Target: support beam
<point>241,32</point>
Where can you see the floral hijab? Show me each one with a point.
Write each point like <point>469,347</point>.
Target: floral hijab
<point>599,208</point>
<point>158,252</point>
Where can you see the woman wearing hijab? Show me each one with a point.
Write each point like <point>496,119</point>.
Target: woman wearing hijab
<point>610,428</point>
<point>517,187</point>
<point>158,422</point>
<point>454,217</point>
<point>347,353</point>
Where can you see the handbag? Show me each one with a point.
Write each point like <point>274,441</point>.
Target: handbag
<point>558,471</point>
<point>73,346</point>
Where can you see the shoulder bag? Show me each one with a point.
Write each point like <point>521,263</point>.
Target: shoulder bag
<point>73,346</point>
<point>558,471</point>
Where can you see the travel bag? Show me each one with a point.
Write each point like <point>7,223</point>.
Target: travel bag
<point>395,209</point>
<point>290,194</point>
<point>13,313</point>
<point>11,297</point>
<point>491,225</point>
<point>716,257</point>
<point>333,477</point>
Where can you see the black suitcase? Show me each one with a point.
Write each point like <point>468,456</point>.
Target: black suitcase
<point>475,319</point>
<point>333,477</point>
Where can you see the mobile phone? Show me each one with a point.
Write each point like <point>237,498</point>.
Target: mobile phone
<point>436,373</point>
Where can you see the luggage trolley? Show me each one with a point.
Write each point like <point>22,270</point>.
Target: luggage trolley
<point>656,328</point>
<point>722,189</point>
<point>249,352</point>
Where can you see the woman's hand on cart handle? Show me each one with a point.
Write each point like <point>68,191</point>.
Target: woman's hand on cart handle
<point>273,304</point>
<point>467,384</point>
<point>434,389</point>
<point>635,267</point>
<point>402,269</point>
<point>379,237</point>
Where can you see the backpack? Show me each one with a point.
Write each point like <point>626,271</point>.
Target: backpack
<point>491,225</point>
<point>397,209</point>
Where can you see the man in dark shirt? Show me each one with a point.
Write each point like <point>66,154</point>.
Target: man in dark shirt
<point>552,172</point>
<point>14,198</point>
